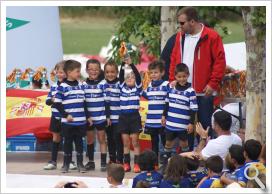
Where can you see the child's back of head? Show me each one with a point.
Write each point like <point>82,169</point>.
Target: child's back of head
<point>147,160</point>
<point>192,164</point>
<point>176,169</point>
<point>115,173</point>
<point>236,153</point>
<point>214,164</point>
<point>252,149</point>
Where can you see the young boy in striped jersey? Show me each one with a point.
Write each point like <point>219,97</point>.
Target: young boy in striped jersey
<point>70,102</point>
<point>55,123</point>
<point>179,114</point>
<point>112,90</point>
<point>130,119</point>
<point>156,93</point>
<point>95,101</point>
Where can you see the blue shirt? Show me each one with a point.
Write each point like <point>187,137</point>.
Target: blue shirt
<point>180,105</point>
<point>95,101</point>
<point>52,93</point>
<point>184,183</point>
<point>156,94</point>
<point>130,98</point>
<point>112,91</point>
<point>153,178</point>
<point>213,182</point>
<point>195,177</point>
<point>72,98</point>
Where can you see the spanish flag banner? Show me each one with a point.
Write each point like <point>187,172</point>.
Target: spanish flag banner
<point>26,112</point>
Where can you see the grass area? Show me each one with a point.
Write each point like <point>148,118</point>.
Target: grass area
<point>236,31</point>
<point>88,35</point>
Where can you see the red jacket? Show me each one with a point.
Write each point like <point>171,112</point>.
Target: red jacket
<point>209,59</point>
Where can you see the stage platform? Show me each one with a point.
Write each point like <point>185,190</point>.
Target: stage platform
<point>21,164</point>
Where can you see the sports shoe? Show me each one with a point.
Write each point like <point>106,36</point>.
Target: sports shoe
<point>81,168</point>
<point>51,165</point>
<point>127,167</point>
<point>103,167</point>
<point>136,168</point>
<point>73,166</point>
<point>90,165</point>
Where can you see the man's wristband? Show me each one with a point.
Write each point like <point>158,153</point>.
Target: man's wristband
<point>203,138</point>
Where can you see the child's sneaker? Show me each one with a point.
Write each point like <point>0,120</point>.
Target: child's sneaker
<point>51,165</point>
<point>103,167</point>
<point>90,165</point>
<point>72,166</point>
<point>127,167</point>
<point>136,168</point>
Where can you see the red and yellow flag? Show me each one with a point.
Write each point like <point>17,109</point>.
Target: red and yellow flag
<point>26,112</point>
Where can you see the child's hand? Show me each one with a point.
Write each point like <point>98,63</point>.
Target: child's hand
<point>108,122</point>
<point>90,121</point>
<point>128,60</point>
<point>173,84</point>
<point>190,128</point>
<point>69,118</point>
<point>163,121</point>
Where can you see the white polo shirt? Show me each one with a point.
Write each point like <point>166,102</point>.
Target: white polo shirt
<point>189,50</point>
<point>220,146</point>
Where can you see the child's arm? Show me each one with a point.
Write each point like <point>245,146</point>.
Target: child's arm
<point>58,102</point>
<point>122,74</point>
<point>50,98</point>
<point>137,75</point>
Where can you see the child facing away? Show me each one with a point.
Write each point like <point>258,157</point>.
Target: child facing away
<point>55,121</point>
<point>112,90</point>
<point>130,119</point>
<point>95,101</point>
<point>70,102</point>
<point>251,151</point>
<point>156,94</point>
<point>179,114</point>
<point>235,161</point>
<point>147,162</point>
<point>214,165</point>
<point>115,175</point>
<point>176,173</point>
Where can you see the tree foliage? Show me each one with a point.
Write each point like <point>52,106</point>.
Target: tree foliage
<point>143,24</point>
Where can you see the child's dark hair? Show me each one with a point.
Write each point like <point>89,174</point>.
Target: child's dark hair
<point>95,61</point>
<point>236,152</point>
<point>253,149</point>
<point>181,67</point>
<point>70,65</point>
<point>215,164</point>
<point>176,168</point>
<point>192,164</point>
<point>147,160</point>
<point>157,64</point>
<point>223,119</point>
<point>116,171</point>
<point>142,184</point>
<point>111,63</point>
<point>60,65</point>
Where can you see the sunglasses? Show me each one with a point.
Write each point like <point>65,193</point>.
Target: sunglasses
<point>182,23</point>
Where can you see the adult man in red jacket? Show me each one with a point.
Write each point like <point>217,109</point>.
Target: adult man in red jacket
<point>201,48</point>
